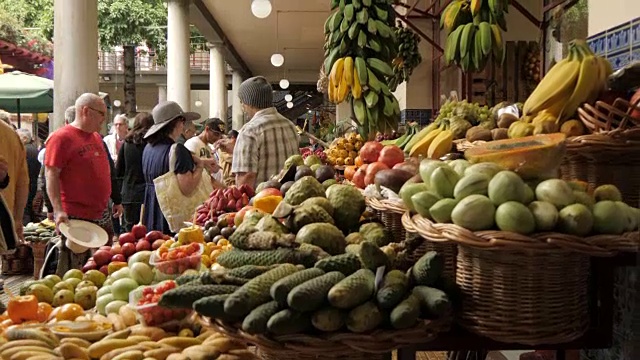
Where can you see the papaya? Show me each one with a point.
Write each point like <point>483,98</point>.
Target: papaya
<point>515,217</point>
<point>527,156</point>
<point>410,189</point>
<point>443,181</point>
<point>506,186</point>
<point>459,165</point>
<point>474,183</point>
<point>427,167</point>
<point>555,191</point>
<point>441,211</point>
<point>423,201</point>
<point>487,168</point>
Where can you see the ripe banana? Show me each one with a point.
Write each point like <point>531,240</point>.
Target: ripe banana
<point>337,71</point>
<point>356,89</point>
<point>421,147</point>
<point>441,145</point>
<point>347,71</point>
<point>587,81</point>
<point>475,6</point>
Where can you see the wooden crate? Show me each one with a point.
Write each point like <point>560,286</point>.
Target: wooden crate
<point>498,82</point>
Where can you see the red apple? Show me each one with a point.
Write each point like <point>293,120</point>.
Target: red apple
<point>166,237</point>
<point>104,269</point>
<point>90,265</point>
<point>102,257</point>
<point>156,244</point>
<point>143,245</point>
<point>118,257</point>
<point>138,230</point>
<point>128,249</point>
<point>126,238</point>
<point>116,249</point>
<point>154,235</point>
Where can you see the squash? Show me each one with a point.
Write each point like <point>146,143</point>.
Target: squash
<point>22,308</point>
<point>191,234</point>
<point>531,157</point>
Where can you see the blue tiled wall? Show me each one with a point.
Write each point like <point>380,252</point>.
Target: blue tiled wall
<point>421,116</point>
<point>620,44</point>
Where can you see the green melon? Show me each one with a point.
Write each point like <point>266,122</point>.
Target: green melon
<point>427,166</point>
<point>609,218</point>
<point>545,215</point>
<point>575,219</point>
<point>476,183</point>
<point>441,211</point>
<point>607,192</point>
<point>506,186</point>
<point>555,191</point>
<point>459,166</point>
<point>443,181</point>
<point>423,201</point>
<point>515,217</point>
<point>475,212</point>
<point>489,169</point>
<point>408,190</point>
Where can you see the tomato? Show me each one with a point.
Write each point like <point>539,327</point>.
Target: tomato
<point>148,290</point>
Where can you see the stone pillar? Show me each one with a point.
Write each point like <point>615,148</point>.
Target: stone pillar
<point>217,83</point>
<point>178,44</point>
<point>236,108</point>
<point>162,93</point>
<point>76,70</point>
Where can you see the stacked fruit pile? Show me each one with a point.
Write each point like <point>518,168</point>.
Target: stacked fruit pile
<point>408,55</point>
<point>377,161</point>
<point>475,32</point>
<point>221,201</point>
<point>90,341</point>
<point>580,77</point>
<point>485,196</point>
<point>344,150</point>
<point>306,152</point>
<point>531,67</point>
<point>359,48</point>
<point>266,288</point>
<point>40,232</point>
<point>74,288</point>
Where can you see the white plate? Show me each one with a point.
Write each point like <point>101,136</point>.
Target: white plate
<point>84,233</point>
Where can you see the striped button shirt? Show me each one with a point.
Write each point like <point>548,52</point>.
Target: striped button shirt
<point>264,144</point>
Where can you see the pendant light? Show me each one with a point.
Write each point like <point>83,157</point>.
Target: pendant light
<point>261,8</point>
<point>277,59</point>
<point>289,104</point>
<point>288,97</point>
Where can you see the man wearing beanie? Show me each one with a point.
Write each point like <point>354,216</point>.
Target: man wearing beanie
<point>267,140</point>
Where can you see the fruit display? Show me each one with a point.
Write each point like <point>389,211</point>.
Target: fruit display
<point>408,55</point>
<point>40,232</point>
<point>360,46</point>
<point>94,337</point>
<point>475,32</point>
<point>295,169</point>
<point>75,287</point>
<point>319,153</point>
<point>175,261</point>
<point>580,77</point>
<point>387,137</point>
<point>344,150</point>
<point>531,66</point>
<point>336,293</point>
<point>381,162</point>
<point>223,201</point>
<point>152,314</point>
<point>485,196</point>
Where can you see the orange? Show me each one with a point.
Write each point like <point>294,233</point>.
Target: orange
<point>69,312</point>
<point>358,161</point>
<point>44,311</point>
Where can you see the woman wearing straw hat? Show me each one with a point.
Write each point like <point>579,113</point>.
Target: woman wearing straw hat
<point>169,121</point>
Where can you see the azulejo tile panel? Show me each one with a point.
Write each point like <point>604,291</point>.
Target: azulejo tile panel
<point>421,116</point>
<point>620,44</point>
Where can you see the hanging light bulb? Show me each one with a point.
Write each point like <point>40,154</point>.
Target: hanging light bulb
<point>261,8</point>
<point>288,97</point>
<point>198,103</point>
<point>117,103</point>
<point>277,60</point>
<point>284,83</point>
<point>289,104</point>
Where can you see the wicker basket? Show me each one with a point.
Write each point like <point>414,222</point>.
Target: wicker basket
<point>372,346</point>
<point>433,241</point>
<point>529,290</point>
<point>39,253</point>
<point>390,213</point>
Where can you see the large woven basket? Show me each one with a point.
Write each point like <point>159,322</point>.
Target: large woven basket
<point>390,213</point>
<point>529,290</point>
<point>370,346</point>
<point>39,254</point>
<point>432,241</point>
<point>607,158</point>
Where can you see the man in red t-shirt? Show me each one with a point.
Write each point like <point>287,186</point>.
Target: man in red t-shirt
<point>78,167</point>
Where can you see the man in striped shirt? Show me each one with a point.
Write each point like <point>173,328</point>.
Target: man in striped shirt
<point>267,140</point>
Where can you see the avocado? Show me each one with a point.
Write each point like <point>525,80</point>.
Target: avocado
<point>392,179</point>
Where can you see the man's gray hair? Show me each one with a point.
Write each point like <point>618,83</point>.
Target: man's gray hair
<point>70,114</point>
<point>4,116</point>
<point>25,135</point>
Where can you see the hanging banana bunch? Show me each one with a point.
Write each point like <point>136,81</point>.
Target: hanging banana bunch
<point>360,44</point>
<point>475,32</point>
<point>408,56</point>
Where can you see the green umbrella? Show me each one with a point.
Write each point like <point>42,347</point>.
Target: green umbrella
<point>21,92</point>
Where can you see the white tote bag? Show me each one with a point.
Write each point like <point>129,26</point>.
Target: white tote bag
<point>176,207</point>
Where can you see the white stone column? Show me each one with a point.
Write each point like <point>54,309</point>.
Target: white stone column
<point>178,44</point>
<point>76,68</point>
<point>237,119</point>
<point>217,83</point>
<point>162,93</point>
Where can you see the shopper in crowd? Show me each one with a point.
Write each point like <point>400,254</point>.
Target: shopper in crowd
<point>169,121</point>
<point>69,117</point>
<point>14,185</point>
<point>188,132</point>
<point>79,169</point>
<point>267,140</point>
<point>129,168</point>
<point>224,149</point>
<point>117,135</point>
<point>34,171</point>
<point>213,130</point>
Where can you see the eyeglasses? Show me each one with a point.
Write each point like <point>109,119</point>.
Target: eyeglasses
<point>98,111</point>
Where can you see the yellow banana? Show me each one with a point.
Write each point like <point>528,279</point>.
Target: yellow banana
<point>342,91</point>
<point>356,89</point>
<point>475,6</point>
<point>584,87</point>
<point>347,71</point>
<point>331,91</point>
<point>336,71</point>
<point>604,70</point>
<point>441,145</point>
<point>555,87</point>
<point>421,148</point>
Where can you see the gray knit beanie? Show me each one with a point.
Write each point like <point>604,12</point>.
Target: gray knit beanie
<point>256,92</point>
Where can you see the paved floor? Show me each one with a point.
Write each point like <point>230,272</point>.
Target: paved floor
<point>13,283</point>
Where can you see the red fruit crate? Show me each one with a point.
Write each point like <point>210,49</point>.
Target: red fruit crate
<point>175,263</point>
